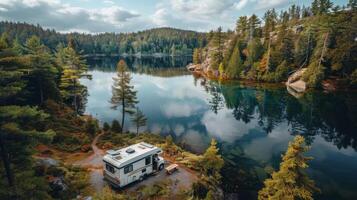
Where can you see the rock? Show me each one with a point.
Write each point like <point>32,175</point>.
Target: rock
<point>298,86</point>
<point>47,162</point>
<point>57,184</point>
<point>295,81</point>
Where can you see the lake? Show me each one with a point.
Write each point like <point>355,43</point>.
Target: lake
<point>253,124</point>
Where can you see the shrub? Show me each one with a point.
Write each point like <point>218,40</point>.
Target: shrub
<point>106,127</point>
<point>116,127</point>
<point>92,126</point>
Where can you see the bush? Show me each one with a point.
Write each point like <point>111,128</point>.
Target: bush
<point>92,126</point>
<point>314,75</point>
<point>106,127</point>
<point>116,127</point>
<point>353,79</point>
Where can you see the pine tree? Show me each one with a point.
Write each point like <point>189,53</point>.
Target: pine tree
<point>254,22</point>
<point>123,94</point>
<point>242,26</point>
<point>116,128</point>
<point>211,164</point>
<point>43,71</point>
<point>217,44</point>
<point>291,181</point>
<point>352,4</point>
<point>196,56</point>
<point>235,64</point>
<point>138,119</point>
<point>73,68</point>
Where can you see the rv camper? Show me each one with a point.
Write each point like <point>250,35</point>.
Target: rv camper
<point>132,163</point>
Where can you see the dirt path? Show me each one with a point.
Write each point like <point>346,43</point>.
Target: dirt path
<point>94,164</point>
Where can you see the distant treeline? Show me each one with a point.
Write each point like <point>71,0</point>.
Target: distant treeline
<point>167,41</point>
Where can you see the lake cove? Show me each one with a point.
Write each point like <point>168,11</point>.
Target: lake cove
<point>252,124</point>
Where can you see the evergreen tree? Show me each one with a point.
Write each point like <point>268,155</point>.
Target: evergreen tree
<point>217,44</point>
<point>242,26</point>
<point>254,22</point>
<point>73,68</point>
<point>116,128</point>
<point>352,4</point>
<point>17,134</point>
<point>211,164</point>
<point>123,94</point>
<point>235,64</point>
<point>106,127</point>
<point>196,56</point>
<point>291,181</point>
<point>320,7</point>
<point>42,72</point>
<point>138,119</point>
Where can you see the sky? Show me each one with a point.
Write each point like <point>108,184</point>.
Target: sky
<point>98,16</point>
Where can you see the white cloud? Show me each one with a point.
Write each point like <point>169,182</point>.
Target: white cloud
<point>108,16</point>
<point>175,109</point>
<point>225,127</point>
<point>179,129</point>
<point>63,17</point>
<point>241,4</point>
<point>202,8</point>
<point>267,4</point>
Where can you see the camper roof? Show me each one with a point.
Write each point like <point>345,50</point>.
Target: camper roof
<point>127,155</point>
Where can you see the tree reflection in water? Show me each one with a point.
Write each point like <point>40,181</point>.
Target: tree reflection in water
<point>332,116</point>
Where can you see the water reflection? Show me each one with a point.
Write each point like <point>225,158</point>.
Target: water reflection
<point>252,124</point>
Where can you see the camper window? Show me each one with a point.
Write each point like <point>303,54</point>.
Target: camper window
<point>147,160</point>
<point>128,169</point>
<point>110,168</point>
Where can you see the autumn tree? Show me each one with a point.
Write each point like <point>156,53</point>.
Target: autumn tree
<point>138,119</point>
<point>291,181</point>
<point>123,94</point>
<point>197,56</point>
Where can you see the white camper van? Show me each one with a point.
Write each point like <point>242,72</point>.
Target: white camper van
<point>132,163</point>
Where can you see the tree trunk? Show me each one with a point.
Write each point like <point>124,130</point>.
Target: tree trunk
<point>75,97</point>
<point>123,116</point>
<point>41,94</point>
<point>6,161</point>
<point>268,59</point>
<point>323,49</point>
<point>137,129</point>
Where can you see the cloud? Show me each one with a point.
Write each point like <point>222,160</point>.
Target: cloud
<point>225,127</point>
<point>202,8</point>
<point>241,4</point>
<point>267,4</point>
<point>175,109</point>
<point>63,17</point>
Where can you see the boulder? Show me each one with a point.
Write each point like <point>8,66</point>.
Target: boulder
<point>295,81</point>
<point>47,162</point>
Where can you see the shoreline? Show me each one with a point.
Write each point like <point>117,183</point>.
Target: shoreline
<point>329,85</point>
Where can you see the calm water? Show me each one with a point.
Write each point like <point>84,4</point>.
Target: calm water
<point>252,124</point>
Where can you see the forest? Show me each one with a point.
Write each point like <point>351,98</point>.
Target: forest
<point>166,41</point>
<point>43,103</point>
<point>320,38</point>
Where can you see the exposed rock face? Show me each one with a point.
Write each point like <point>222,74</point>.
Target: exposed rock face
<point>47,162</point>
<point>295,81</point>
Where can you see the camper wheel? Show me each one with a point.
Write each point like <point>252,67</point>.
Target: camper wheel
<point>141,178</point>
<point>161,167</point>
